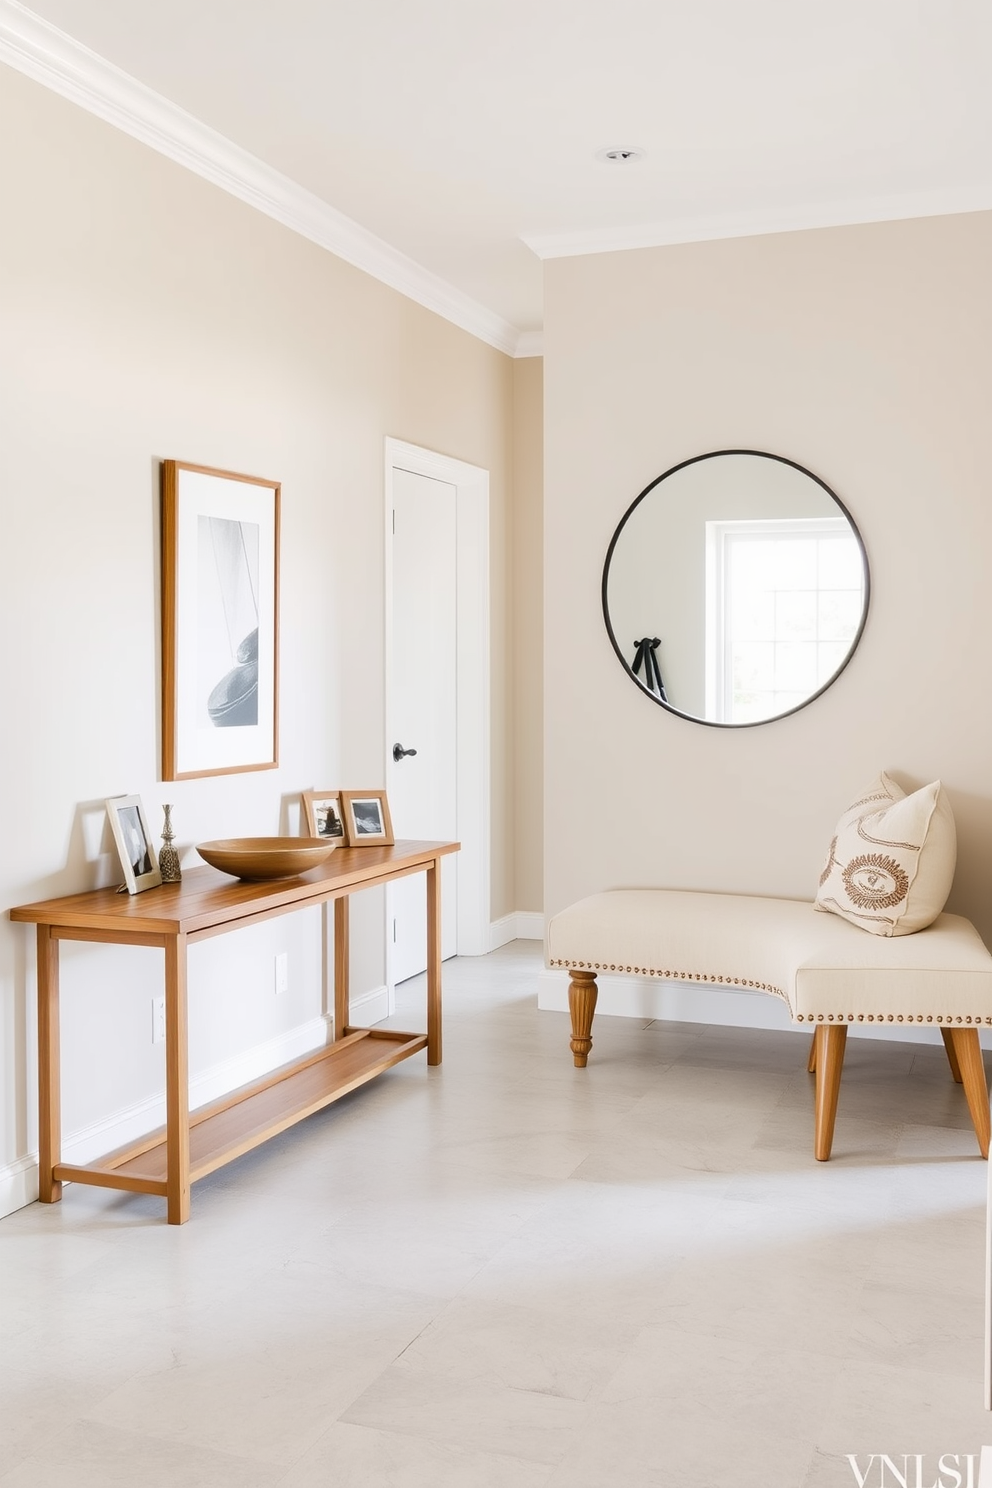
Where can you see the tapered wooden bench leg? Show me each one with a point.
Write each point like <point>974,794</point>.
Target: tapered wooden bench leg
<point>968,1051</point>
<point>582,994</point>
<point>811,1061</point>
<point>947,1034</point>
<point>831,1039</point>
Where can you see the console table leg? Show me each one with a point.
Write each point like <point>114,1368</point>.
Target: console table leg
<point>49,1081</point>
<point>342,968</point>
<point>434,963</point>
<point>176,1081</point>
<point>582,995</point>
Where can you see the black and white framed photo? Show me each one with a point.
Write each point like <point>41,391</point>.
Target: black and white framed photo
<point>324,815</point>
<point>135,847</point>
<point>366,818</point>
<point>220,621</point>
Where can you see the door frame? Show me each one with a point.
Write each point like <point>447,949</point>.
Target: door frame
<point>473,792</point>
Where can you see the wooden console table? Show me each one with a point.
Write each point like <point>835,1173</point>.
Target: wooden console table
<point>175,916</point>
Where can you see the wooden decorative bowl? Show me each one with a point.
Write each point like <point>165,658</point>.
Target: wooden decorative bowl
<point>257,858</point>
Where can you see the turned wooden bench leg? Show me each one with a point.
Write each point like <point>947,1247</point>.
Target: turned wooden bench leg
<point>582,994</point>
<point>811,1061</point>
<point>947,1034</point>
<point>831,1039</point>
<point>967,1052</point>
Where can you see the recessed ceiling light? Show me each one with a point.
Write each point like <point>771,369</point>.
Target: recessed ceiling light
<point>622,155</point>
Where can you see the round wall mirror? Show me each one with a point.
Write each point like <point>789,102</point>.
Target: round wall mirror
<point>735,588</point>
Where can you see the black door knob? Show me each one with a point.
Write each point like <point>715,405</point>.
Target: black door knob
<point>400,753</point>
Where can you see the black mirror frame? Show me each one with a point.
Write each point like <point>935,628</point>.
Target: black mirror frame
<point>663,703</point>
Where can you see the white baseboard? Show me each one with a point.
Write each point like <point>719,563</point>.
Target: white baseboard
<point>18,1184</point>
<point>371,1007</point>
<point>19,1179</point>
<point>207,1085</point>
<point>524,924</point>
<point>727,1007</point>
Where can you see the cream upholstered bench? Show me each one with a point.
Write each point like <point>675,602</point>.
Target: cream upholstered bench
<point>829,973</point>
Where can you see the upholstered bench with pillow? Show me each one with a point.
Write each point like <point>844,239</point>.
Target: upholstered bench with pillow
<point>826,969</point>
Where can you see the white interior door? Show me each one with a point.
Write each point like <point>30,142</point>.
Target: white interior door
<point>423,704</point>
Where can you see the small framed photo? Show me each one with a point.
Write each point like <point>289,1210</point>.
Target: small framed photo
<point>139,860</point>
<point>324,815</point>
<point>366,818</point>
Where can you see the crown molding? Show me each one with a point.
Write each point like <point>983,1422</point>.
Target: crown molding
<point>756,223</point>
<point>41,51</point>
<point>530,344</point>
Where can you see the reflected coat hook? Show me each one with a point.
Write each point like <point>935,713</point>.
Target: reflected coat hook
<point>647,656</point>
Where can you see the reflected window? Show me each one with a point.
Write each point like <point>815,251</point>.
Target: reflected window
<point>784,601</point>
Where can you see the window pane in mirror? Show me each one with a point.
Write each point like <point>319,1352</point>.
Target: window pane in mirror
<point>718,560</point>
<point>795,615</point>
<point>788,572</point>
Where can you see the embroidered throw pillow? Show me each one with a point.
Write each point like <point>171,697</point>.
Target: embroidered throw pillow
<point>891,861</point>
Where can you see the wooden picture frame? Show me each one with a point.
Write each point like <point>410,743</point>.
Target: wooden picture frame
<point>366,818</point>
<point>220,622</point>
<point>323,815</point>
<point>135,846</point>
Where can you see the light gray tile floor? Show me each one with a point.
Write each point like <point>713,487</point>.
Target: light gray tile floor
<point>508,1273</point>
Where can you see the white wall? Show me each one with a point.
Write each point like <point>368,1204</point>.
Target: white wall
<point>146,315</point>
<point>527,622</point>
<point>865,354</point>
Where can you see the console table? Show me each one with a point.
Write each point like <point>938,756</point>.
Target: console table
<point>175,916</point>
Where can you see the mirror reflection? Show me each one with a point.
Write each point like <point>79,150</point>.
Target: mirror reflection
<point>735,588</point>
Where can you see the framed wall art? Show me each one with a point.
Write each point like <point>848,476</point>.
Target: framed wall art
<point>220,622</point>
<point>134,843</point>
<point>323,815</point>
<point>366,818</point>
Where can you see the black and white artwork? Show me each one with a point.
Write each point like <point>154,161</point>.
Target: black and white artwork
<point>329,823</point>
<point>220,581</point>
<point>227,622</point>
<point>368,817</point>
<point>134,843</point>
<point>324,815</point>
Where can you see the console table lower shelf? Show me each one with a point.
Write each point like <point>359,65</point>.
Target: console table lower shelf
<point>249,1116</point>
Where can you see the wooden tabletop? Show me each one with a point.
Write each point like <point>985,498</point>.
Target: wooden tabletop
<point>207,897</point>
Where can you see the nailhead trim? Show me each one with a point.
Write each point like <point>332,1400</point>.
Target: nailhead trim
<point>672,976</point>
<point>726,981</point>
<point>893,1017</point>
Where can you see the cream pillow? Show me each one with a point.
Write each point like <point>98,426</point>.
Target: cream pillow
<point>891,861</point>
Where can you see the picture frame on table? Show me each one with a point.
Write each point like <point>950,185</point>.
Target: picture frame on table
<point>135,846</point>
<point>323,815</point>
<point>366,818</point>
<point>220,621</point>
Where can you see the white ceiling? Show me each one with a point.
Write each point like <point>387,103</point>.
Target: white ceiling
<point>459,131</point>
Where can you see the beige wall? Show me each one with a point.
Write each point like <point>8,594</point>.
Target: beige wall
<point>864,353</point>
<point>146,314</point>
<point>528,627</point>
